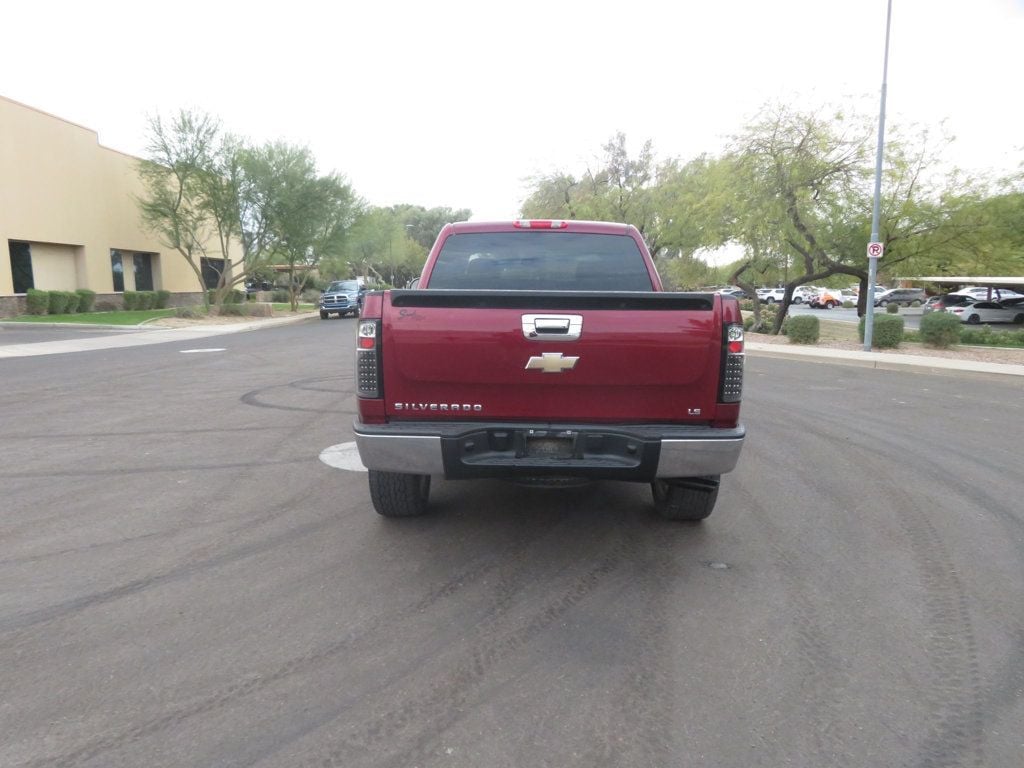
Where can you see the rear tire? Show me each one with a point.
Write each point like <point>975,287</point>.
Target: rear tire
<point>399,494</point>
<point>685,498</point>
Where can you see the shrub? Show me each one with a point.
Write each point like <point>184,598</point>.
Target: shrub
<point>280,296</point>
<point>72,305</point>
<point>162,299</point>
<point>986,336</point>
<point>131,300</point>
<point>86,298</point>
<point>887,332</point>
<point>802,329</point>
<point>849,304</point>
<point>915,303</point>
<point>107,306</point>
<point>231,310</point>
<point>940,329</point>
<point>747,322</point>
<point>892,309</point>
<point>58,302</point>
<point>189,312</point>
<point>38,301</point>
<point>146,299</point>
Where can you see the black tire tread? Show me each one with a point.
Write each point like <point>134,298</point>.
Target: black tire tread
<point>685,498</point>
<point>399,494</point>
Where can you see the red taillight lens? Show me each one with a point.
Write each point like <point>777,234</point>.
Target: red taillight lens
<point>368,371</point>
<point>731,387</point>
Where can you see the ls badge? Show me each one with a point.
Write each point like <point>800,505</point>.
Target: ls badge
<point>551,362</point>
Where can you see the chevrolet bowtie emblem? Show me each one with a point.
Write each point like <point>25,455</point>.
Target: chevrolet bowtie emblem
<point>551,362</point>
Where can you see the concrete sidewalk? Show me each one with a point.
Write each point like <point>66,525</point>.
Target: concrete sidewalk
<point>142,337</point>
<point>882,360</point>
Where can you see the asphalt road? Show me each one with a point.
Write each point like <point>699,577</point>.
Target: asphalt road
<point>911,320</point>
<point>184,583</point>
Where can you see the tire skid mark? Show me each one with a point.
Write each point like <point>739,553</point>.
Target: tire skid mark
<point>821,670</point>
<point>253,396</point>
<point>956,733</point>
<point>258,682</point>
<point>442,704</point>
<point>163,468</point>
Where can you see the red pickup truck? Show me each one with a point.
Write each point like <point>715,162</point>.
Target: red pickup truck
<point>548,349</point>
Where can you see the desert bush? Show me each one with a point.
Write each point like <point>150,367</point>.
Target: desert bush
<point>802,329</point>
<point>887,333</point>
<point>940,329</point>
<point>86,298</point>
<point>72,302</point>
<point>892,309</point>
<point>38,301</point>
<point>189,312</point>
<point>131,300</point>
<point>58,302</point>
<point>162,299</point>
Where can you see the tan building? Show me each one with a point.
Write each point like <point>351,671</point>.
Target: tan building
<point>68,216</point>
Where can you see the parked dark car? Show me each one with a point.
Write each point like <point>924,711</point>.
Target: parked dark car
<point>905,297</point>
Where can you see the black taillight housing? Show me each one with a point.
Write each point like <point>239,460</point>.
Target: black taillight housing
<point>731,386</point>
<point>368,359</point>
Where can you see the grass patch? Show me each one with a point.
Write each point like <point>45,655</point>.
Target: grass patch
<point>286,307</point>
<point>98,318</point>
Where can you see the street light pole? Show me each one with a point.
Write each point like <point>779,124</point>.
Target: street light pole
<point>869,308</point>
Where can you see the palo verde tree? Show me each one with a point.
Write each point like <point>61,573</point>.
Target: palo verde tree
<point>174,205</point>
<point>620,188</point>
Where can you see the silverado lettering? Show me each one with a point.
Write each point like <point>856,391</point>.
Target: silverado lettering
<point>589,369</point>
<point>438,407</point>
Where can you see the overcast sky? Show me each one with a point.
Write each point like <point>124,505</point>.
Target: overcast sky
<point>456,104</point>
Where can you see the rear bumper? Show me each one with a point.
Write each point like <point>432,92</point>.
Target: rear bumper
<point>621,452</point>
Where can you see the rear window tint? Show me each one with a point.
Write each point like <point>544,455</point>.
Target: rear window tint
<point>539,261</point>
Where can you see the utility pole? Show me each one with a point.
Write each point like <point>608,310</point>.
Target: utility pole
<point>869,317</point>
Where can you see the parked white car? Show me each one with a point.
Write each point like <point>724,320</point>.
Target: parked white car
<point>801,294</point>
<point>980,292</point>
<point>989,312</point>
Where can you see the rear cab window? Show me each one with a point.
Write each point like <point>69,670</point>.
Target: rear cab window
<point>540,261</point>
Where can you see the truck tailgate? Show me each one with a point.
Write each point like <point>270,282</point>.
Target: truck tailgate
<point>502,355</point>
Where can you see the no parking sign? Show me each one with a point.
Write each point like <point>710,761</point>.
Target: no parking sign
<point>875,250</point>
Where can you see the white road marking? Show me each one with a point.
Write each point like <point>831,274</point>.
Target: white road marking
<point>210,349</point>
<point>342,456</point>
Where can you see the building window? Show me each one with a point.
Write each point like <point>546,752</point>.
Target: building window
<point>117,270</point>
<point>212,269</point>
<point>143,263</point>
<point>21,266</point>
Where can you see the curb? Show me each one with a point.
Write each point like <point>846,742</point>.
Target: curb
<point>887,361</point>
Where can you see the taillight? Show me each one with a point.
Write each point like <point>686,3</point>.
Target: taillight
<point>368,359</point>
<point>540,224</point>
<point>731,389</point>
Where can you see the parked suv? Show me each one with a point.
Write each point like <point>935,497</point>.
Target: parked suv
<point>905,297</point>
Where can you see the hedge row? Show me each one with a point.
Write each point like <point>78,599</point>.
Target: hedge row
<point>59,302</point>
<point>146,299</point>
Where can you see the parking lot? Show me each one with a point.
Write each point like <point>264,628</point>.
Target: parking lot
<point>185,582</point>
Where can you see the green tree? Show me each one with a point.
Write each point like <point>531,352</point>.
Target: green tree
<point>174,206</point>
<point>620,189</point>
<point>298,216</point>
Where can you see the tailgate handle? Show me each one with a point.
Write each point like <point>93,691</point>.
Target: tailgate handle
<point>546,327</point>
